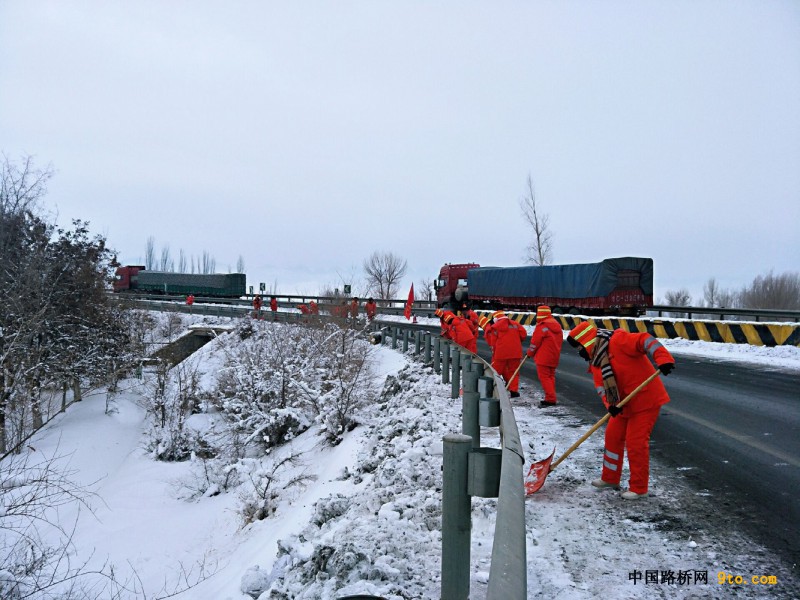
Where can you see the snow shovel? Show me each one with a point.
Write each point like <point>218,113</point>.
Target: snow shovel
<point>522,362</point>
<point>539,470</point>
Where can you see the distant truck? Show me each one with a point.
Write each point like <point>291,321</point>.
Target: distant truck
<point>614,286</point>
<point>136,278</point>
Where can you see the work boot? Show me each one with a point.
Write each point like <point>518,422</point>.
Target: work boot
<point>544,404</point>
<point>600,483</point>
<point>629,495</point>
<point>515,394</point>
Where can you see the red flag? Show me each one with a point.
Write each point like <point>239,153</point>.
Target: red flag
<point>409,302</point>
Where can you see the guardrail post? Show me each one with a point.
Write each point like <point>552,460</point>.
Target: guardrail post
<point>455,379</point>
<point>417,342</point>
<point>437,354</point>
<point>395,333</point>
<point>427,338</point>
<point>479,368</point>
<point>486,387</point>
<point>466,362</point>
<point>445,361</point>
<point>405,340</point>
<point>456,517</point>
<point>469,408</point>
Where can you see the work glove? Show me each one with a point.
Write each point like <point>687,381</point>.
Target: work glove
<point>530,353</point>
<point>614,410</point>
<point>666,368</point>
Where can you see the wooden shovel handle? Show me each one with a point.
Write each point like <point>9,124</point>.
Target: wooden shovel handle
<point>597,425</point>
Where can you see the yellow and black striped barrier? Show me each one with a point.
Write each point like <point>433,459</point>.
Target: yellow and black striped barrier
<point>756,334</point>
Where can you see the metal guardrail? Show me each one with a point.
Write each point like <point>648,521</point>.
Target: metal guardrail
<point>426,308</point>
<point>471,470</point>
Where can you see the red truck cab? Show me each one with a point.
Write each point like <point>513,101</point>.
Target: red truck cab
<point>451,285</point>
<point>125,276</point>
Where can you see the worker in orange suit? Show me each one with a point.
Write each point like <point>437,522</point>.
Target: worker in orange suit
<point>257,302</point>
<point>619,361</point>
<point>471,317</point>
<point>505,338</point>
<point>354,307</point>
<point>545,350</point>
<point>460,332</point>
<point>273,306</point>
<point>446,331</point>
<point>371,308</point>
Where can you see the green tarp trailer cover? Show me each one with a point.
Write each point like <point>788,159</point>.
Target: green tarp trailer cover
<point>220,284</point>
<point>559,281</point>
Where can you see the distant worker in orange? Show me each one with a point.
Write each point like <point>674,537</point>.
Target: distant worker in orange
<point>257,302</point>
<point>471,317</point>
<point>446,331</point>
<point>371,308</point>
<point>354,308</point>
<point>313,308</point>
<point>460,332</point>
<point>505,338</point>
<point>190,299</point>
<point>545,350</point>
<point>619,361</point>
<point>273,306</point>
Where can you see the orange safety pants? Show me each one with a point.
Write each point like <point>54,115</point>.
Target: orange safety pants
<point>629,433</point>
<point>547,377</point>
<point>506,368</point>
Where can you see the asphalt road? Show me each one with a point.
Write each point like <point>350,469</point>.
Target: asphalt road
<point>733,430</point>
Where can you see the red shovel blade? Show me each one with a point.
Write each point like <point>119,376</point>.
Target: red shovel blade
<point>537,474</point>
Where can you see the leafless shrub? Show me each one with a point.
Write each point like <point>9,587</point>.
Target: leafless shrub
<point>172,396</point>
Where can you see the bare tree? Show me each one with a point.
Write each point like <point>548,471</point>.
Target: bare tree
<point>383,273</point>
<point>425,290</point>
<point>208,263</point>
<point>679,297</point>
<point>150,253</point>
<point>711,292</point>
<point>182,261</point>
<point>166,263</point>
<point>240,264</point>
<point>540,250</point>
<point>773,292</point>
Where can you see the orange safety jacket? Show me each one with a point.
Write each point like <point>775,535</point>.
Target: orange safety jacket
<point>505,338</point>
<point>463,335</point>
<point>546,342</point>
<point>630,355</point>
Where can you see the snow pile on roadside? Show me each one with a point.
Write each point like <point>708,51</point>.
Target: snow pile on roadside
<point>376,539</point>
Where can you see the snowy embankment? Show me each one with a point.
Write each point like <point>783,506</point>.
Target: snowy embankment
<point>368,522</point>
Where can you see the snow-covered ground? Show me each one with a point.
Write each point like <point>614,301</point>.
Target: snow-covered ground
<point>369,521</point>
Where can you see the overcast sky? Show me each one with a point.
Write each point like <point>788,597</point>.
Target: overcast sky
<point>303,136</point>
